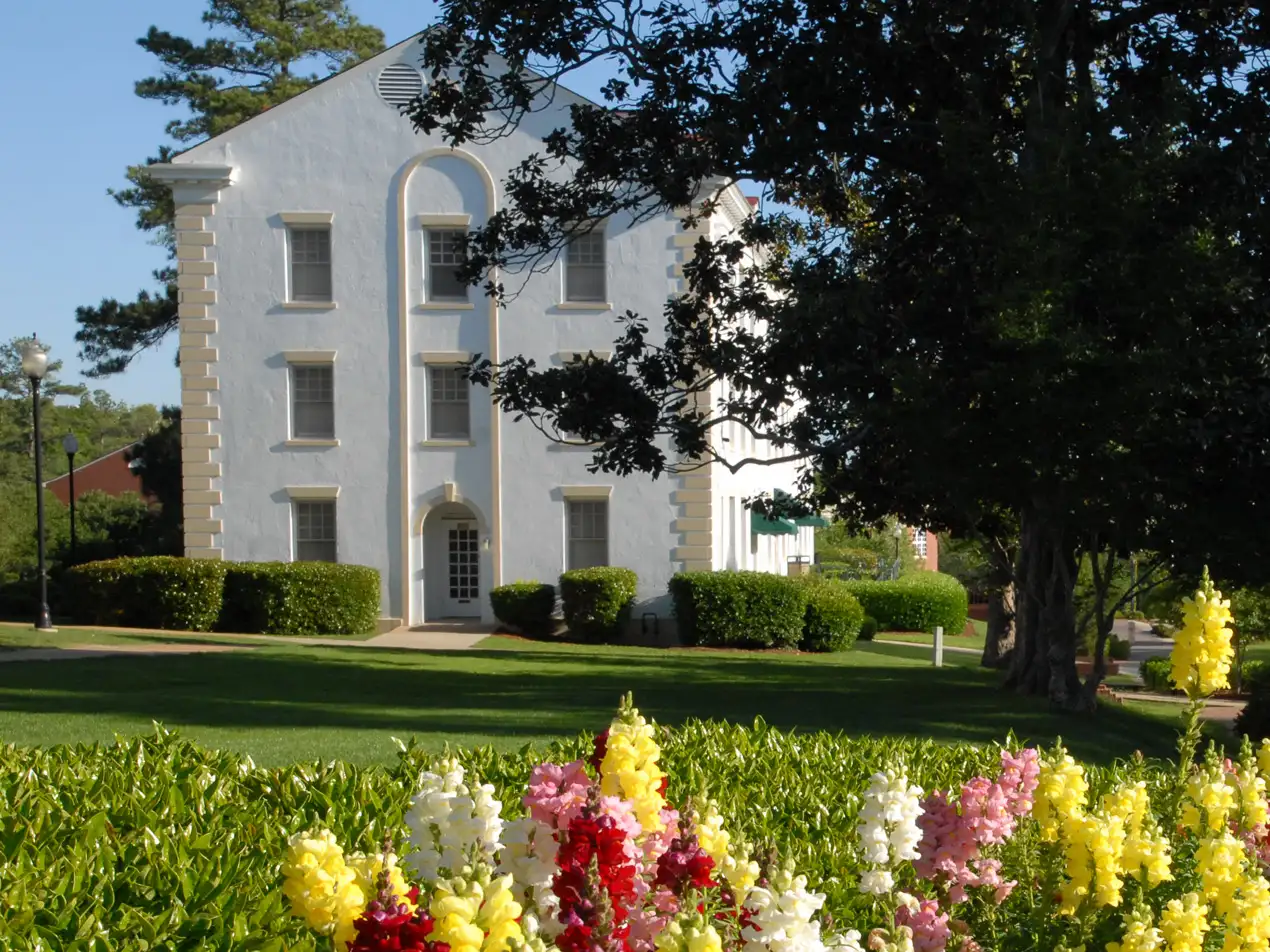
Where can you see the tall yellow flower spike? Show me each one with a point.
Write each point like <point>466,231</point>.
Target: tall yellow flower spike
<point>1184,923</point>
<point>1202,649</point>
<point>630,770</point>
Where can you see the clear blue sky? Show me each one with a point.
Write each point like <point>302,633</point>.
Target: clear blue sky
<point>69,125</point>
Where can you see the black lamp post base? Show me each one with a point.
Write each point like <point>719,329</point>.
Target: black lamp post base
<point>44,623</point>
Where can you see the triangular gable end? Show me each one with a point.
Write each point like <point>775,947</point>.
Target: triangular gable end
<point>212,150</point>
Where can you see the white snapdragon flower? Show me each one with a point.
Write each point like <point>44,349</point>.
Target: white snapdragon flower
<point>529,857</point>
<point>452,825</point>
<point>781,916</point>
<point>888,828</point>
<point>848,941</point>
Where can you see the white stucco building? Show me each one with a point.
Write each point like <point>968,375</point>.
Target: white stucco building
<point>320,328</point>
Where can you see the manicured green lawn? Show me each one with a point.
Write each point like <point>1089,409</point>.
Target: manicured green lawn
<point>282,703</point>
<point>957,641</point>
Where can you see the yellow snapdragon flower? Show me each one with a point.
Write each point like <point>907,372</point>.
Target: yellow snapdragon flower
<point>1184,923</point>
<point>1248,924</point>
<point>703,940</point>
<point>1202,649</point>
<point>1263,758</point>
<point>476,916</point>
<point>1060,795</point>
<point>630,770</point>
<point>1220,860</point>
<point>1208,800</point>
<point>1140,934</point>
<point>321,886</point>
<point>716,842</point>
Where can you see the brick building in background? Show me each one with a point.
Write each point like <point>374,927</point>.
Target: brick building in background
<point>109,474</point>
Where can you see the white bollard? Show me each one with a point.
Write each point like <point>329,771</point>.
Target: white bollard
<point>1133,633</point>
<point>939,647</point>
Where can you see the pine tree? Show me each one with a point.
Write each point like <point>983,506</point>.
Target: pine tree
<point>261,53</point>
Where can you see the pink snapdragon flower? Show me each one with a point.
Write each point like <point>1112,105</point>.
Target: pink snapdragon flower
<point>930,926</point>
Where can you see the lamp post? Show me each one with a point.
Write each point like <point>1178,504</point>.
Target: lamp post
<point>899,534</point>
<point>71,445</point>
<point>35,364</point>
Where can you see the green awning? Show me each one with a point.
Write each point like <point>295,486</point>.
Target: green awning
<point>761,525</point>
<point>820,522</point>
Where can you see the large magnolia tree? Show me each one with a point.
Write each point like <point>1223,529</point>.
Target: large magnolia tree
<point>1017,248</point>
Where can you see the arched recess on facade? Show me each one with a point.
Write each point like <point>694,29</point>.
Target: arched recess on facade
<point>442,498</point>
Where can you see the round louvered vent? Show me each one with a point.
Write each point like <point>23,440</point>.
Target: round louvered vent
<point>399,83</point>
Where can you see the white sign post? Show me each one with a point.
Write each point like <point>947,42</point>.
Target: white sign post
<point>939,647</point>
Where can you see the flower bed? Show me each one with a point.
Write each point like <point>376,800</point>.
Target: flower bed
<point>700,839</point>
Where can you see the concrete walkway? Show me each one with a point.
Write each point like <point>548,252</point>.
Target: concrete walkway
<point>458,635</point>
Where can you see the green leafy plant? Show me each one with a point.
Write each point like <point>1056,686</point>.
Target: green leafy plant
<point>300,598</point>
<point>922,601</point>
<point>739,609</point>
<point>868,628</point>
<point>159,591</point>
<point>526,606</point>
<point>833,618</point>
<point>598,602</point>
<point>1118,648</point>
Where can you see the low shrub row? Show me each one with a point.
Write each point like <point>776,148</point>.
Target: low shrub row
<point>597,604</point>
<point>1155,676</point>
<point>740,609</point>
<point>274,598</point>
<point>761,610</point>
<point>922,601</point>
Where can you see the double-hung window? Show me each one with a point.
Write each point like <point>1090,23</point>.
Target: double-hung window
<point>588,534</point>
<point>314,530</point>
<point>309,251</point>
<point>445,257</point>
<point>584,268</point>
<point>312,402</point>
<point>449,410</point>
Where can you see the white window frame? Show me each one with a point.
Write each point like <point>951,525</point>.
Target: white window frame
<point>316,222</point>
<point>596,237</point>
<point>435,438</point>
<point>297,502</point>
<point>587,508</point>
<point>294,368</point>
<point>431,234</point>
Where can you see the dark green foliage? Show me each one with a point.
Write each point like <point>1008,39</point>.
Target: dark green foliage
<point>1117,648</point>
<point>300,598</point>
<point>525,606</point>
<point>867,549</point>
<point>156,459</point>
<point>598,602</point>
<point>833,618</point>
<point>918,602</point>
<point>1254,719</point>
<point>739,609</point>
<point>1001,236</point>
<point>868,628</point>
<point>154,592</point>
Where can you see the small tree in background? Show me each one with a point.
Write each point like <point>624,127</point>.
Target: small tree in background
<point>261,53</point>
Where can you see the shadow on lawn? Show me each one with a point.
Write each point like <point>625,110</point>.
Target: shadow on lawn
<point>542,692</point>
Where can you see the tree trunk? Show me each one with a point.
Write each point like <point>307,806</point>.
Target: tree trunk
<point>1043,662</point>
<point>999,645</point>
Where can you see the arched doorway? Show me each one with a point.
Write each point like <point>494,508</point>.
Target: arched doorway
<point>452,582</point>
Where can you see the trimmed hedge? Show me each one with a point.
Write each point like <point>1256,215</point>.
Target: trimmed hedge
<point>300,598</point>
<point>739,609</point>
<point>1155,675</point>
<point>833,618</point>
<point>161,591</point>
<point>273,598</point>
<point>868,628</point>
<point>526,606</point>
<point>597,602</point>
<point>922,601</point>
